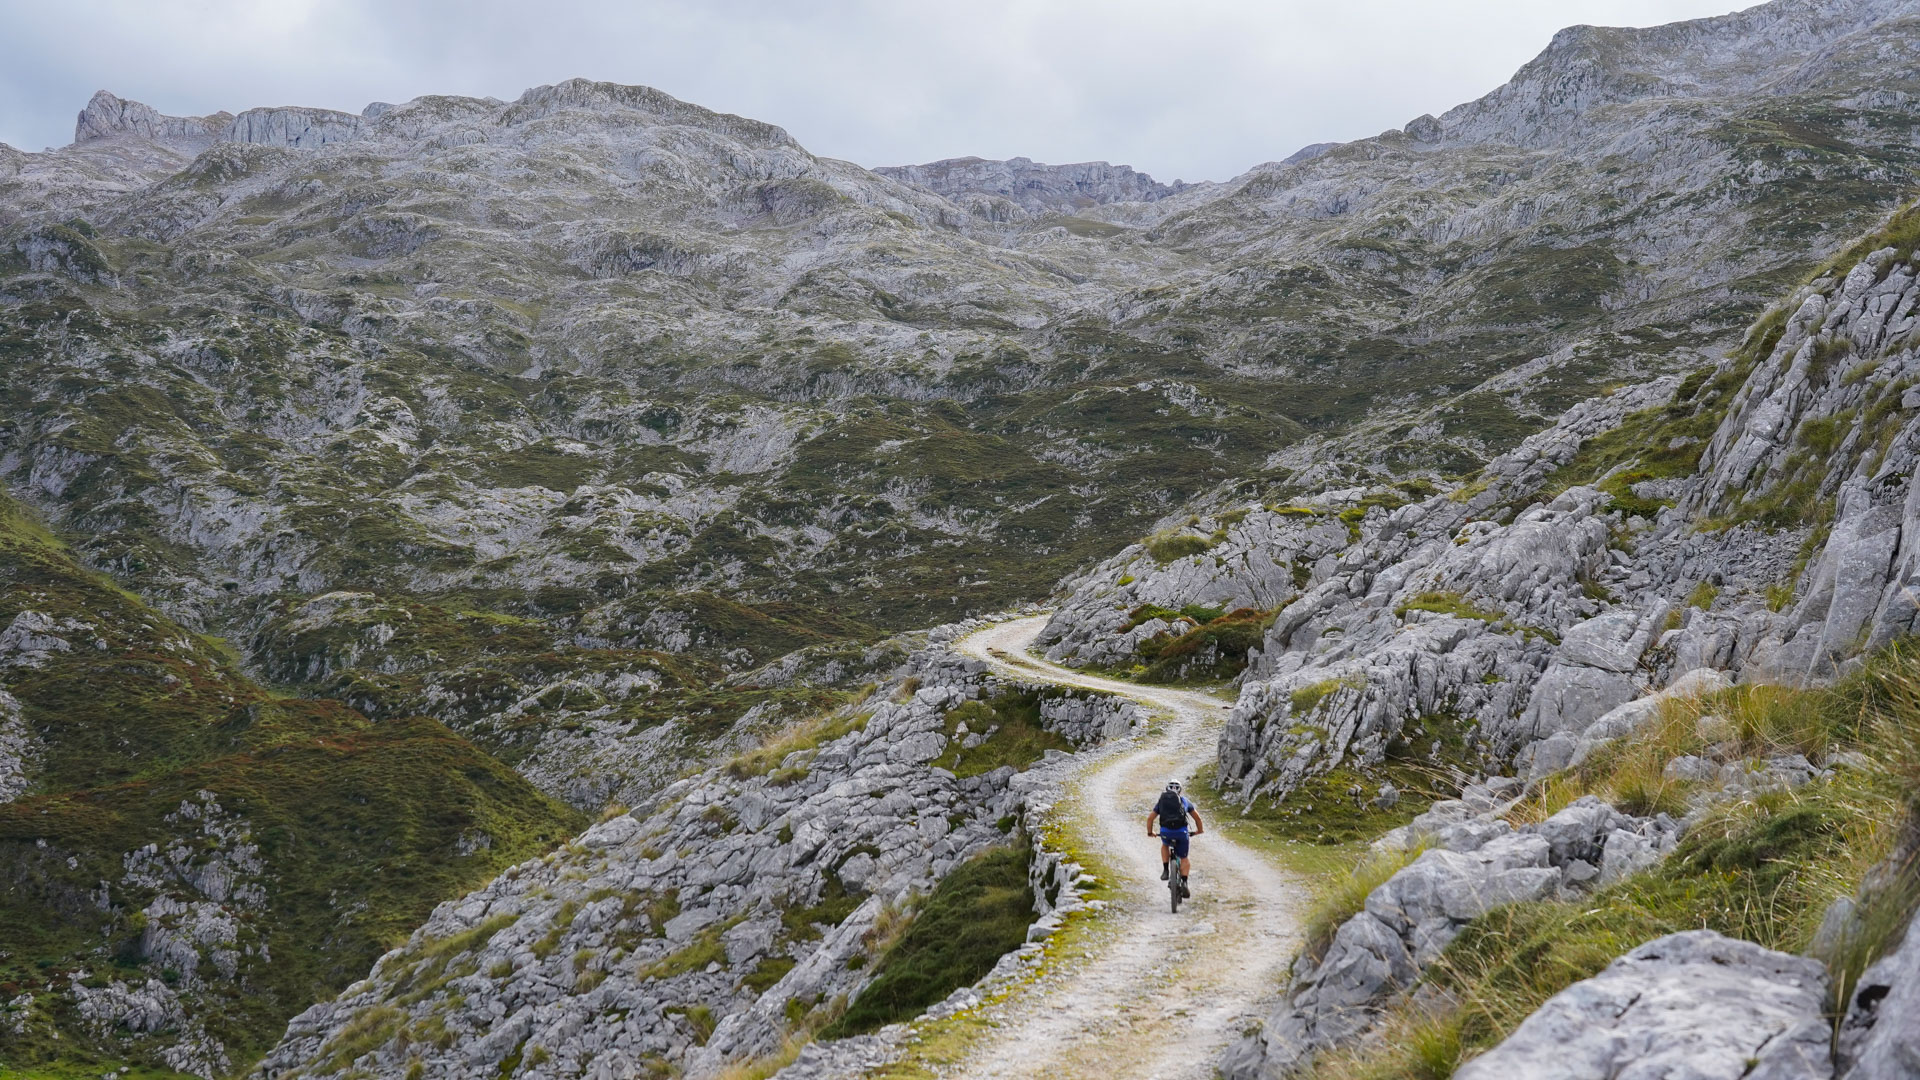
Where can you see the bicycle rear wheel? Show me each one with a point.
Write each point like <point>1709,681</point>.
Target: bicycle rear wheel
<point>1173,887</point>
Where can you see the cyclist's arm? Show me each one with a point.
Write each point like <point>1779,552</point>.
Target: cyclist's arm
<point>1201,825</point>
<point>1152,815</point>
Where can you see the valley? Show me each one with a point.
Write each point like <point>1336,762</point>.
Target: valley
<point>583,586</point>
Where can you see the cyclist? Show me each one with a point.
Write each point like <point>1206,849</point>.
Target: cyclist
<point>1172,812</point>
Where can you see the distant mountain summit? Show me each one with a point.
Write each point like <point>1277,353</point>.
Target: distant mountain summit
<point>1783,47</point>
<point>1034,187</point>
<point>611,432</point>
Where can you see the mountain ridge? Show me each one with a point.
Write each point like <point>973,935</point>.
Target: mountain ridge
<point>604,438</point>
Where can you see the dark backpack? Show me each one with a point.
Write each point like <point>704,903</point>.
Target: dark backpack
<point>1171,810</point>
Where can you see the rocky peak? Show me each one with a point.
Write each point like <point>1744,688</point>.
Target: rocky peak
<point>107,116</point>
<point>1036,187</point>
<point>1587,67</point>
<point>304,127</point>
<point>655,106</point>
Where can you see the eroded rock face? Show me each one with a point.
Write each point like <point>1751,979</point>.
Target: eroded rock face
<point>1436,609</point>
<point>1680,605</point>
<point>1692,1004</point>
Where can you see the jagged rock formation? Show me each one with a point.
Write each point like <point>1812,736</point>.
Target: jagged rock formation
<point>107,116</point>
<point>1588,70</point>
<point>992,189</point>
<point>1689,1004</point>
<point>1475,861</point>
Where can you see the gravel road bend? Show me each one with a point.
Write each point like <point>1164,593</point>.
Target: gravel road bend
<point>1157,995</point>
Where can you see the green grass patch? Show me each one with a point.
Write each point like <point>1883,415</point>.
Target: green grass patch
<point>1222,637</point>
<point>977,914</point>
<point>1447,603</point>
<point>1019,741</point>
<point>1166,549</point>
<point>808,735</point>
<point>1703,596</point>
<point>770,970</point>
<point>1304,700</point>
<point>1425,761</point>
<point>704,949</point>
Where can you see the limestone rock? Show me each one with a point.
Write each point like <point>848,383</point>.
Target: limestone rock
<point>1692,1004</point>
<point>1476,862</point>
<point>1879,1038</point>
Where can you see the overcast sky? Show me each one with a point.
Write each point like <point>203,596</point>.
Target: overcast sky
<point>1189,89</point>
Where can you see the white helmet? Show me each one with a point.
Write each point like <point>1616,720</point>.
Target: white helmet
<point>1174,786</point>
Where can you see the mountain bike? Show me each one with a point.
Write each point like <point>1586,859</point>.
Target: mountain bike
<point>1173,879</point>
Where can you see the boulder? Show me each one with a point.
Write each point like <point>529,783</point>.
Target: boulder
<point>1880,1037</point>
<point>1694,1005</point>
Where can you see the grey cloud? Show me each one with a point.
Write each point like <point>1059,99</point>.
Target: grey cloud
<point>1196,90</point>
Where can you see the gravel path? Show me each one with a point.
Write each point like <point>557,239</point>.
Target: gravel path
<point>1158,995</point>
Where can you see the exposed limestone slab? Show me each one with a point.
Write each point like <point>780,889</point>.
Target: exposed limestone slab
<point>1693,1005</point>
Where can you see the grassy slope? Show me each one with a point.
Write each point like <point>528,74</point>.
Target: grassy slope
<point>356,821</point>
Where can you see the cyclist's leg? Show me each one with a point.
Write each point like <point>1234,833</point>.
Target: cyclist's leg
<point>1166,853</point>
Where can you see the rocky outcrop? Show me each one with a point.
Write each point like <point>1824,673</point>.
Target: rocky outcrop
<point>1438,610</point>
<point>1544,632</point>
<point>1587,68</point>
<point>1843,361</point>
<point>107,116</point>
<point>1691,1004</point>
<point>295,128</point>
<point>703,932</point>
<point>1032,187</point>
<point>1259,559</point>
<point>20,750</point>
<point>1474,862</point>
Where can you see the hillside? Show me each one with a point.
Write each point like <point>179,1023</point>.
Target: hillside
<point>389,494</point>
<point>188,857</point>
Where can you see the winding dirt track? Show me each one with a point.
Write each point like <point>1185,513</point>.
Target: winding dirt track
<point>1157,995</point>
